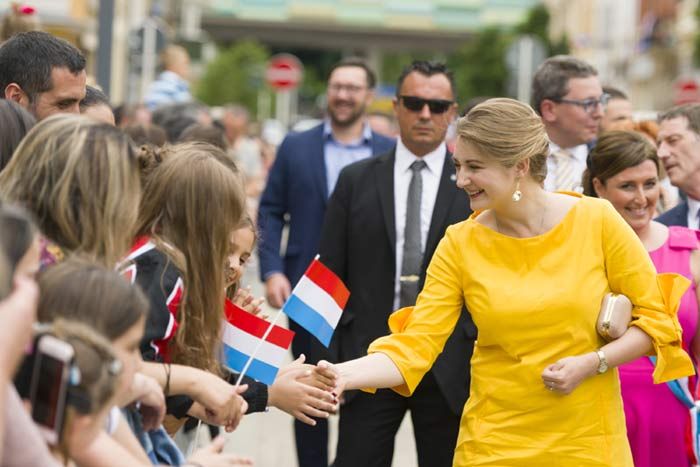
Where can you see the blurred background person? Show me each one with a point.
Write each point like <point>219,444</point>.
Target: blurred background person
<point>618,111</point>
<point>383,124</point>
<point>20,18</point>
<point>150,134</point>
<point>172,85</point>
<point>96,105</point>
<point>246,150</point>
<point>131,114</point>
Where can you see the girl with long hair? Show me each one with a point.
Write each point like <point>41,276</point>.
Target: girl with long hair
<point>190,219</point>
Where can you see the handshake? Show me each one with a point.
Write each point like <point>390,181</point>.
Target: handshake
<point>307,391</point>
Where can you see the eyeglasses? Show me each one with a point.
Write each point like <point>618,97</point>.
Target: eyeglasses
<point>588,105</point>
<point>416,104</point>
<point>335,88</point>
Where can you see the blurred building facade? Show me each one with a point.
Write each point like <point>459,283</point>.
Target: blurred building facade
<point>642,46</point>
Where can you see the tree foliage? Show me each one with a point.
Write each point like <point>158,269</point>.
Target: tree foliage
<point>479,65</point>
<point>235,75</point>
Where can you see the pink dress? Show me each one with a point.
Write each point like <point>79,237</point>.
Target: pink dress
<point>657,422</point>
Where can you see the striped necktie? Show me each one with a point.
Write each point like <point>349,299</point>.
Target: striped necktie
<point>565,173</point>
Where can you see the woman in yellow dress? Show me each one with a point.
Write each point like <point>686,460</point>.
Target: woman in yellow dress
<point>532,268</point>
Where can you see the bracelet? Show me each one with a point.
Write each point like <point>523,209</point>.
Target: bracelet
<point>166,389</point>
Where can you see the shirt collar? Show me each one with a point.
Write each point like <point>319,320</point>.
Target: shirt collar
<point>580,152</point>
<point>366,137</point>
<point>404,157</point>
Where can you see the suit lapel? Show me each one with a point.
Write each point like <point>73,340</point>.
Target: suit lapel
<point>318,163</point>
<point>384,179</point>
<point>683,214</point>
<point>445,196</point>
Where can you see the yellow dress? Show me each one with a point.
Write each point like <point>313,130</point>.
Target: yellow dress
<point>534,301</point>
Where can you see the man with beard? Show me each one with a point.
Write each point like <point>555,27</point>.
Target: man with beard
<point>299,184</point>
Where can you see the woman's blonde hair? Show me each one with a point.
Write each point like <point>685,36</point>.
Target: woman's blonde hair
<point>192,202</point>
<point>509,132</point>
<point>80,179</point>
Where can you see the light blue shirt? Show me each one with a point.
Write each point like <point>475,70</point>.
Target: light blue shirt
<point>169,88</point>
<point>337,155</point>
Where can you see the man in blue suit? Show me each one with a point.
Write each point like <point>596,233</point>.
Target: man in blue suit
<point>298,187</point>
<point>679,150</point>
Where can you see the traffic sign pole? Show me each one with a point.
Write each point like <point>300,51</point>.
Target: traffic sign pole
<point>284,74</point>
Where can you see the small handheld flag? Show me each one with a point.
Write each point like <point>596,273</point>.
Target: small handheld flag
<point>317,301</point>
<point>252,345</point>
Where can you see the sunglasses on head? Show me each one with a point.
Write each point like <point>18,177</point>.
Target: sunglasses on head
<point>416,104</point>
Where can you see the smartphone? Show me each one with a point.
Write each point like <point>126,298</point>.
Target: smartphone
<point>49,385</point>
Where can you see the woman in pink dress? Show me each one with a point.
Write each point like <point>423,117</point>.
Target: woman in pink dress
<point>624,169</point>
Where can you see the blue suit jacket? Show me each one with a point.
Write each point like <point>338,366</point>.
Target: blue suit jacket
<point>675,216</point>
<point>297,188</point>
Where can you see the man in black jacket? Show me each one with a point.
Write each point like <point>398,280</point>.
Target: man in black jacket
<point>382,225</point>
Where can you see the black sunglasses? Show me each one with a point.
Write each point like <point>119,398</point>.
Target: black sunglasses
<point>416,104</point>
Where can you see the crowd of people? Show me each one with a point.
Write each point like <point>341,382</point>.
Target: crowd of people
<point>124,231</point>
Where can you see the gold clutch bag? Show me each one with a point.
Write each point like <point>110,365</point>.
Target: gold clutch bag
<point>614,317</point>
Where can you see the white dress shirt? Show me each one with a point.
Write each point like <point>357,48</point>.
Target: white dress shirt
<point>402,178</point>
<point>693,208</point>
<point>579,153</point>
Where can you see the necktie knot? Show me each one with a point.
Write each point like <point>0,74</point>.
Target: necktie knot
<point>417,166</point>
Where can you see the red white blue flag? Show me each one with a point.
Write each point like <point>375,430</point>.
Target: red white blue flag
<point>317,301</point>
<point>242,338</point>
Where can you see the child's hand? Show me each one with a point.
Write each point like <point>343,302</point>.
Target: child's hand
<point>244,299</point>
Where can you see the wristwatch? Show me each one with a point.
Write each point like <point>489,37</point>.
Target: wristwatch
<point>603,362</point>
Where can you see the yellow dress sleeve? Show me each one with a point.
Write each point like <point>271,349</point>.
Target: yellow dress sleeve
<point>419,333</point>
<point>655,297</point>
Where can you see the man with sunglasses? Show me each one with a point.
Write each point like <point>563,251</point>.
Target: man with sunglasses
<point>567,94</point>
<point>298,186</point>
<point>383,223</point>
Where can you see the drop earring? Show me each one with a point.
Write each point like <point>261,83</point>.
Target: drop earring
<point>517,194</point>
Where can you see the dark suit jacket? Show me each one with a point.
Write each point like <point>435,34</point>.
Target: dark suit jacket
<point>675,216</point>
<point>297,188</point>
<point>358,242</point>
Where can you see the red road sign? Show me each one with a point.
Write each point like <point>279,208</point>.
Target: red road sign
<point>284,72</point>
<point>686,91</point>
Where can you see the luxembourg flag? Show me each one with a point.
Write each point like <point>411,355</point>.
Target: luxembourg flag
<point>317,301</point>
<point>245,336</point>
